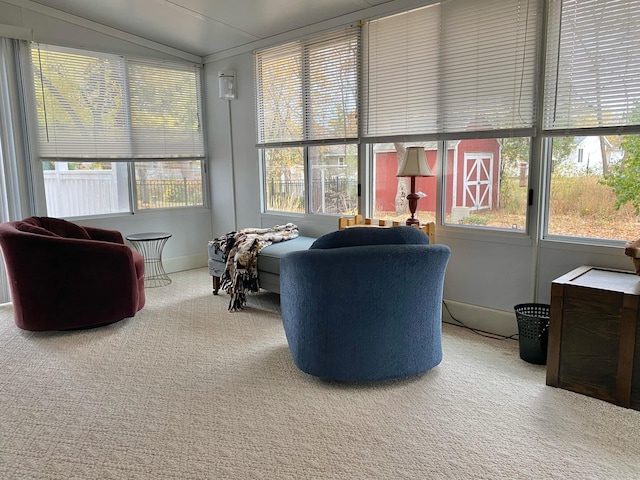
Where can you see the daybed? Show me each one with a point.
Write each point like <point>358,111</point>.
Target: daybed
<point>268,262</point>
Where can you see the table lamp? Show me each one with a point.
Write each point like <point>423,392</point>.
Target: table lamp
<point>414,164</point>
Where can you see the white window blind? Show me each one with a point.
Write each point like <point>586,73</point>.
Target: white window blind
<point>100,106</point>
<point>308,90</point>
<point>593,64</point>
<point>455,66</point>
<point>165,110</point>
<point>489,56</point>
<point>402,72</point>
<point>279,90</point>
<point>81,103</point>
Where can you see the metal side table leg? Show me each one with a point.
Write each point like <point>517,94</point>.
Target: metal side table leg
<point>150,246</point>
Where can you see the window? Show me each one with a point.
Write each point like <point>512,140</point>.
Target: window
<point>591,91</point>
<point>389,195</point>
<point>597,198</point>
<point>307,100</point>
<point>168,184</point>
<point>14,170</point>
<point>284,179</point>
<point>117,134</point>
<point>334,179</point>
<point>459,78</point>
<point>487,182</point>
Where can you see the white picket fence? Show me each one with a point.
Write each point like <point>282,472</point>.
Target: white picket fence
<point>4,284</point>
<point>74,193</point>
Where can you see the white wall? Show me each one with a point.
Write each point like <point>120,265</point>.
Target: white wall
<point>190,230</point>
<point>231,136</point>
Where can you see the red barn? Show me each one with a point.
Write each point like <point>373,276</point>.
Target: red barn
<point>472,176</point>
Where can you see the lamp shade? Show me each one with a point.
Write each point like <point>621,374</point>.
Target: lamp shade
<point>414,163</point>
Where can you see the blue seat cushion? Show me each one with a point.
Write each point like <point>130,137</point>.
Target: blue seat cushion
<point>269,257</point>
<point>357,236</point>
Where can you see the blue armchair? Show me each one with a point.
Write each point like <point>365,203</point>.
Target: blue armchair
<point>365,304</point>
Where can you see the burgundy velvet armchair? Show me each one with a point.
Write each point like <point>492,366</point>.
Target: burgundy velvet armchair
<point>64,276</point>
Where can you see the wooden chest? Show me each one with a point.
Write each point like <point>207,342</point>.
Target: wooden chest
<point>594,336</point>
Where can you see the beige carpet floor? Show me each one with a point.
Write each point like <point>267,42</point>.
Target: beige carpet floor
<point>187,390</point>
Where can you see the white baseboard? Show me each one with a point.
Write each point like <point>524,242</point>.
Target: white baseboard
<point>489,320</point>
<point>188,262</point>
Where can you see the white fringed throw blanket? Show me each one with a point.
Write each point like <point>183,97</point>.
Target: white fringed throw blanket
<point>240,254</point>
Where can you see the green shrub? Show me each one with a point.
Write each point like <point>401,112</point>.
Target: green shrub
<point>174,194</point>
<point>476,220</point>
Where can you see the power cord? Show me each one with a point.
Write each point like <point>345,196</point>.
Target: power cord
<point>482,333</point>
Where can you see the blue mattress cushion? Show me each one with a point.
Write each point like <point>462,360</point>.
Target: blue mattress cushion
<point>269,257</point>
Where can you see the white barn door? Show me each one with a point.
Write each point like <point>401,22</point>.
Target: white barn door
<point>478,180</point>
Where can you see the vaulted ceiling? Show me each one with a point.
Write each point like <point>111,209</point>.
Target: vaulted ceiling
<point>208,27</point>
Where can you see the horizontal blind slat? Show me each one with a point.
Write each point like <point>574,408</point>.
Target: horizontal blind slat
<point>99,106</point>
<point>593,63</point>
<point>165,110</point>
<point>80,101</point>
<point>463,64</point>
<point>309,90</point>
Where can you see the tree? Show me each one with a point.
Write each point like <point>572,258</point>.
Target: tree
<point>604,153</point>
<point>513,152</point>
<point>562,148</point>
<point>624,177</point>
<point>403,183</point>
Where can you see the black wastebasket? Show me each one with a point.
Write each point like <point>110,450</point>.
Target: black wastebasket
<point>533,331</point>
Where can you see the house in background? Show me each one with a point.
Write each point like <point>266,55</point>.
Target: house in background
<point>586,157</point>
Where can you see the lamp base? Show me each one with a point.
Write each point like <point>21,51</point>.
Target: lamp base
<point>413,198</point>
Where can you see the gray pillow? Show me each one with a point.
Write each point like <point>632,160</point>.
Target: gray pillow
<point>356,236</point>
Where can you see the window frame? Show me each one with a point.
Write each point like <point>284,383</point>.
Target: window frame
<point>132,160</point>
<point>445,125</point>
<point>539,133</point>
<point>308,180</point>
<point>308,137</point>
<point>561,94</point>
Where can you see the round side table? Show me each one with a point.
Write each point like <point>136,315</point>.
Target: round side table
<point>150,245</point>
